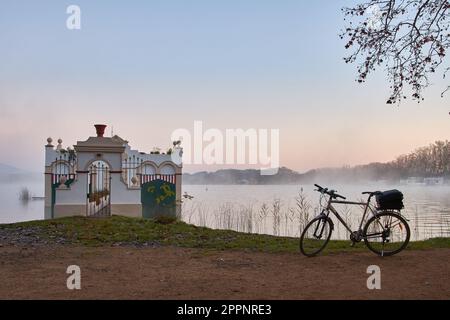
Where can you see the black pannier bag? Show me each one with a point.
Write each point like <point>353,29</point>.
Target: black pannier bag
<point>390,200</point>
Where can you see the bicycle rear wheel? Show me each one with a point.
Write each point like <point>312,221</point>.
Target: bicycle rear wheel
<point>386,233</point>
<point>315,237</point>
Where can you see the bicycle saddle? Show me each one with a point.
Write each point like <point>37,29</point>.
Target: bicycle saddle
<point>372,193</point>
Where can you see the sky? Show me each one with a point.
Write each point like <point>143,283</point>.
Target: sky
<point>147,68</point>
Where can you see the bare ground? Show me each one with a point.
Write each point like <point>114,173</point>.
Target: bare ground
<point>175,273</point>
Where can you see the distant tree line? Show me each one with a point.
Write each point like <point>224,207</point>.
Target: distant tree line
<point>430,161</point>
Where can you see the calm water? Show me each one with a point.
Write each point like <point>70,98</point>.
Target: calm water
<point>274,209</point>
<point>14,210</point>
<point>266,209</point>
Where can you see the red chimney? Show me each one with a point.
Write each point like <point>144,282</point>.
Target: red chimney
<point>100,128</point>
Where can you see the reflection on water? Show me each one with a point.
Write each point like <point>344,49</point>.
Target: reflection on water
<point>279,210</point>
<point>276,210</point>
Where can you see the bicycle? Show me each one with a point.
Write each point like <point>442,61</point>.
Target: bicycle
<point>386,233</point>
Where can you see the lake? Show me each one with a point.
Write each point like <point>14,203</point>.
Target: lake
<point>15,210</point>
<point>280,210</point>
<point>277,210</point>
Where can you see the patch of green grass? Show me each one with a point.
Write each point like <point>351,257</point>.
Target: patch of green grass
<point>117,229</point>
<point>435,243</point>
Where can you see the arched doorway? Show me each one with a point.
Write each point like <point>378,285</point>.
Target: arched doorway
<point>99,190</point>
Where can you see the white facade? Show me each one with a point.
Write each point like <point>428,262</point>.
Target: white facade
<point>104,176</point>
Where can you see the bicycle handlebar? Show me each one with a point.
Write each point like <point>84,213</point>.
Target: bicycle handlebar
<point>331,193</point>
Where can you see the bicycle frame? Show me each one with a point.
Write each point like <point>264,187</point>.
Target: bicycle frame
<point>367,208</point>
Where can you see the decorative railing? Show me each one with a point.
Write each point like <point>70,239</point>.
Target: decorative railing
<point>64,167</point>
<point>63,178</point>
<point>170,178</point>
<point>130,169</point>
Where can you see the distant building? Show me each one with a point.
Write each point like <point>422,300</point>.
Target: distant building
<point>103,176</point>
<point>418,181</point>
<point>437,181</point>
<point>412,181</point>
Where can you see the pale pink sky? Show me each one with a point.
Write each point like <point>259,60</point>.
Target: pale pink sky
<point>153,67</point>
<point>314,132</point>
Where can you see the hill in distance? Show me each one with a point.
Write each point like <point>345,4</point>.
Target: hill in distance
<point>12,174</point>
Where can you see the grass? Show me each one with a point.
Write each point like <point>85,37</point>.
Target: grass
<point>117,229</point>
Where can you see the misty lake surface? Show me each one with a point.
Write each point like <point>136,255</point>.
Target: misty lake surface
<point>267,209</point>
<point>14,210</point>
<point>274,209</point>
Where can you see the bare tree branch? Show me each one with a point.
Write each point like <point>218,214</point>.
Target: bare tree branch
<point>409,38</point>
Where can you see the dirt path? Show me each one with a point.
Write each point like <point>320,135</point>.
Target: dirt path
<point>174,273</point>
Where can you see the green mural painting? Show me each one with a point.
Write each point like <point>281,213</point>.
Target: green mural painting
<point>158,198</point>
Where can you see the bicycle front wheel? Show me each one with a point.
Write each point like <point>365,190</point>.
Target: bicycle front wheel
<point>386,233</point>
<point>315,237</point>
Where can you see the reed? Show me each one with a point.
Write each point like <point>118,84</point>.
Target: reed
<point>302,211</point>
<point>25,194</point>
<point>285,220</point>
<point>289,218</point>
<point>276,210</point>
<point>263,213</point>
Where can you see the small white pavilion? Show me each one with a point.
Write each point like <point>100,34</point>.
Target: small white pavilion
<point>103,176</point>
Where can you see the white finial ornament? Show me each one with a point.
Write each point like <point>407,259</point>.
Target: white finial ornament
<point>49,142</point>
<point>59,146</point>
